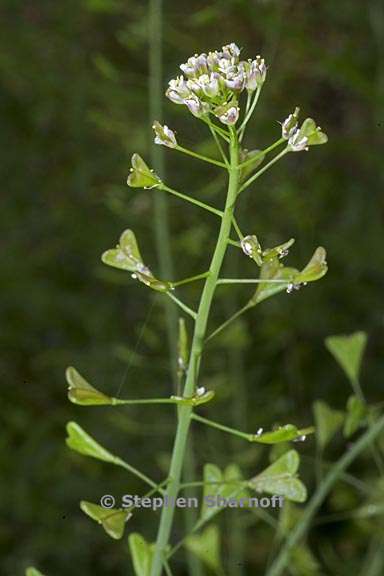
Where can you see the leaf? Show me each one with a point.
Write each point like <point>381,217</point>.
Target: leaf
<point>213,488</point>
<point>303,562</point>
<point>141,176</point>
<point>327,422</point>
<point>246,156</point>
<point>126,256</point>
<point>33,572</point>
<point>142,554</point>
<point>356,412</point>
<point>79,441</point>
<point>278,251</point>
<point>281,434</point>
<point>272,270</point>
<point>348,351</point>
<point>81,392</point>
<point>182,348</point>
<point>196,399</point>
<point>206,546</point>
<point>112,520</point>
<point>312,132</point>
<point>280,478</point>
<point>315,269</point>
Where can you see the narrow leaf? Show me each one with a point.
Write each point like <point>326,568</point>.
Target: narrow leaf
<point>272,270</point>
<point>281,434</point>
<point>327,422</point>
<point>315,269</point>
<point>141,553</point>
<point>33,572</point>
<point>79,441</point>
<point>112,520</point>
<point>348,351</point>
<point>81,392</point>
<point>280,478</point>
<point>356,412</point>
<point>206,546</point>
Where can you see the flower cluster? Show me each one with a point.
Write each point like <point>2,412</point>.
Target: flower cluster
<point>214,82</point>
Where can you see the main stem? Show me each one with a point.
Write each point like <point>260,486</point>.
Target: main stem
<point>185,412</point>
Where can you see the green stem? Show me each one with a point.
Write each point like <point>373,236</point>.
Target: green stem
<point>249,114</point>
<point>264,169</point>
<point>278,566</point>
<point>216,128</point>
<point>229,321</point>
<point>219,146</point>
<point>190,199</point>
<point>185,412</point>
<point>138,474</point>
<point>262,153</point>
<point>200,156</point>
<point>250,281</point>
<point>237,228</point>
<point>191,279</point>
<point>239,433</point>
<point>183,306</point>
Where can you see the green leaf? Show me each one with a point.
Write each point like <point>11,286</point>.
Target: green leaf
<point>112,520</point>
<point>278,251</point>
<point>206,546</point>
<point>213,477</point>
<point>303,562</point>
<point>315,269</point>
<point>356,412</point>
<point>33,572</point>
<point>142,554</point>
<point>280,478</point>
<point>126,256</point>
<point>246,156</point>
<point>79,441</point>
<point>272,270</point>
<point>327,422</point>
<point>312,132</point>
<point>81,392</point>
<point>348,351</point>
<point>141,176</point>
<point>182,348</point>
<point>196,399</point>
<point>282,434</point>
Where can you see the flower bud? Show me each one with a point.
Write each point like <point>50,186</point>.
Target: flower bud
<point>164,135</point>
<point>251,247</point>
<point>289,126</point>
<point>308,135</point>
<point>178,90</point>
<point>228,113</point>
<point>235,81</point>
<point>196,106</point>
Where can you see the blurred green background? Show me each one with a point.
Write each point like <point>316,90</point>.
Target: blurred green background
<point>74,106</point>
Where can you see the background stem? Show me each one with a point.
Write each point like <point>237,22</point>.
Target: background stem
<point>299,531</point>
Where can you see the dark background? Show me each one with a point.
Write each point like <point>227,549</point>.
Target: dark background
<point>74,106</point>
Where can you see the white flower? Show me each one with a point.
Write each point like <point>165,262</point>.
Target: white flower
<point>196,106</point>
<point>178,90</point>
<point>230,116</point>
<point>297,142</point>
<point>164,135</point>
<point>289,126</point>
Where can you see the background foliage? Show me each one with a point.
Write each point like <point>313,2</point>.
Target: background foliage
<point>74,106</point>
